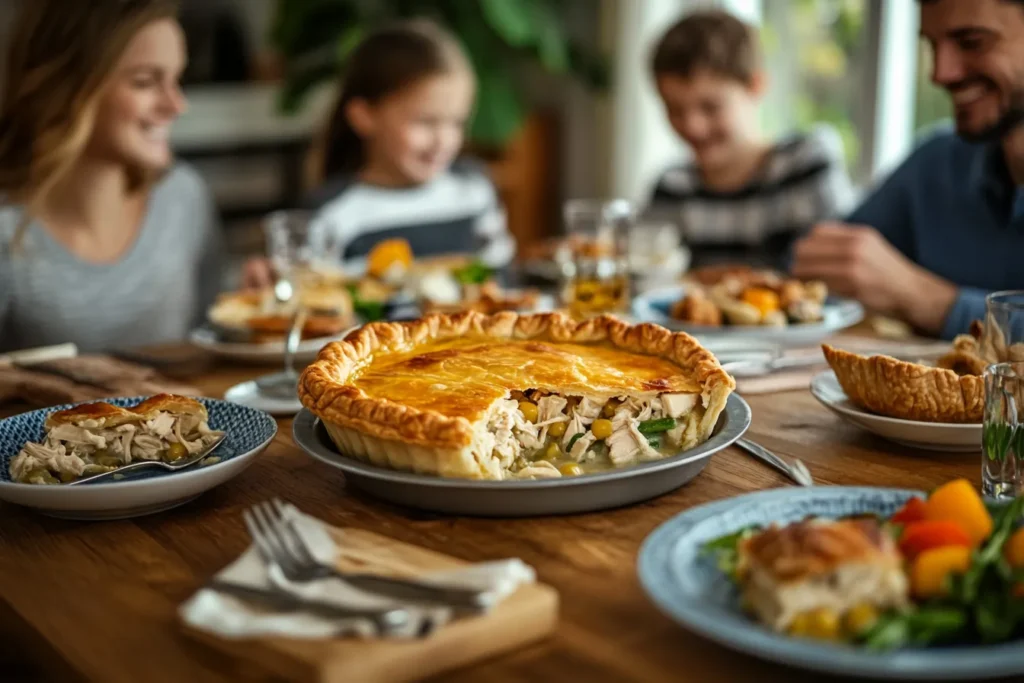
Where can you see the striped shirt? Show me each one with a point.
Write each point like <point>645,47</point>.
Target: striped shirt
<point>155,293</point>
<point>803,181</point>
<point>457,212</point>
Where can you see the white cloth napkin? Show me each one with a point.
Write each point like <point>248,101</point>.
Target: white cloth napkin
<point>232,617</point>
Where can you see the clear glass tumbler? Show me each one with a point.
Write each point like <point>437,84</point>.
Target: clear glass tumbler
<point>1002,459</point>
<point>303,250</point>
<point>597,272</point>
<point>1003,335</point>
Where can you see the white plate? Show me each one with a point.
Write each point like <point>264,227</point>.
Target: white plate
<point>249,394</point>
<point>936,436</point>
<point>248,431</point>
<point>654,306</point>
<point>268,352</point>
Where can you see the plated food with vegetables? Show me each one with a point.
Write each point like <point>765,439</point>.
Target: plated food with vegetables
<point>943,569</point>
<point>750,297</point>
<point>514,396</point>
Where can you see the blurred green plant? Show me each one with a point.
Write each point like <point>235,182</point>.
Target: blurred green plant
<point>315,37</point>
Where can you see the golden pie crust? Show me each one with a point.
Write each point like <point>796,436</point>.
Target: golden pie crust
<point>413,395</point>
<point>909,391</point>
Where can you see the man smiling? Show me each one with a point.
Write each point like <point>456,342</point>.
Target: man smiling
<point>948,226</point>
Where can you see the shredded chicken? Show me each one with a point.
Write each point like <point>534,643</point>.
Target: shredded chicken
<point>587,410</point>
<point>579,449</point>
<point>574,427</point>
<point>679,405</point>
<point>541,469</point>
<point>645,450</point>
<point>70,450</point>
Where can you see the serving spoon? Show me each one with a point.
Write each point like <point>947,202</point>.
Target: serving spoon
<point>179,464</point>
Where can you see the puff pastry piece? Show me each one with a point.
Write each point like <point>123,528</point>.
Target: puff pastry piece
<point>909,391</point>
<point>818,564</point>
<point>423,395</point>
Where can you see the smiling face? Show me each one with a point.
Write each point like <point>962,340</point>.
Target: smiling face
<point>978,48</point>
<point>715,115</point>
<point>142,99</point>
<point>415,133</point>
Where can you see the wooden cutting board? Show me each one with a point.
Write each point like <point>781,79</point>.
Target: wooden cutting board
<point>528,615</point>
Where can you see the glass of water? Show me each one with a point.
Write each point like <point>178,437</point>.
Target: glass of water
<point>1002,460</point>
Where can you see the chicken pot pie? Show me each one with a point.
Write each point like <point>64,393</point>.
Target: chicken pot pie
<point>951,391</point>
<point>790,573</point>
<point>514,396</point>
<point>99,437</point>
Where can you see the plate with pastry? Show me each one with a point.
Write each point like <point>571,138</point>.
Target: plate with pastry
<point>517,414</point>
<point>472,287</point>
<point>934,406</point>
<point>751,304</point>
<point>252,325</point>
<point>852,581</point>
<point>45,452</point>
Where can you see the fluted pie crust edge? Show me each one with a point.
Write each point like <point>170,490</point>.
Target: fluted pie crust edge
<point>908,391</point>
<point>390,434</point>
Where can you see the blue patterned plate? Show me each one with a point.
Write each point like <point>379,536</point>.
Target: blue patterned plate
<point>654,306</point>
<point>249,431</point>
<point>689,588</point>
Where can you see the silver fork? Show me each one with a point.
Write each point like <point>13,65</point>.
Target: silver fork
<point>272,549</point>
<point>304,567</point>
<point>151,464</point>
<point>797,471</point>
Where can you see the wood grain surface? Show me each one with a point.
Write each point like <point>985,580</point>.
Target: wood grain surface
<point>97,601</point>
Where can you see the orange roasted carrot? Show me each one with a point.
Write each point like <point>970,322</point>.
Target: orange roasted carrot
<point>1014,549</point>
<point>932,533</point>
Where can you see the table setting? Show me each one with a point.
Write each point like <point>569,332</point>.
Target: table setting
<point>484,482</point>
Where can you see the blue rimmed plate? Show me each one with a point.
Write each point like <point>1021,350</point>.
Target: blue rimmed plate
<point>655,306</point>
<point>688,587</point>
<point>249,431</point>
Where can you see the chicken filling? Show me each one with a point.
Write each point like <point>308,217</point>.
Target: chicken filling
<point>71,451</point>
<point>533,434</point>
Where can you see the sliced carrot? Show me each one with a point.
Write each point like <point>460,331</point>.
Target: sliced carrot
<point>1014,549</point>
<point>931,569</point>
<point>958,501</point>
<point>920,536</point>
<point>914,510</point>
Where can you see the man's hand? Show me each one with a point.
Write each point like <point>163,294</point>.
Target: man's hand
<point>856,261</point>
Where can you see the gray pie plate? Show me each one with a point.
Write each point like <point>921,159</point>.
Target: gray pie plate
<point>525,498</point>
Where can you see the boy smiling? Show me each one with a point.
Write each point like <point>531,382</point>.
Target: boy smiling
<point>742,197</point>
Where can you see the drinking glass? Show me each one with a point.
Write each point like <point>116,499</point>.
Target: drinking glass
<point>1003,334</point>
<point>303,249</point>
<point>1002,341</point>
<point>597,269</point>
<point>1002,460</point>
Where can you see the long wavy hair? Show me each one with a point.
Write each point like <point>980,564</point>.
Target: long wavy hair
<point>59,61</point>
<point>387,60</point>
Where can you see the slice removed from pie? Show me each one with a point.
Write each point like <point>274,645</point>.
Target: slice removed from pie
<point>514,396</point>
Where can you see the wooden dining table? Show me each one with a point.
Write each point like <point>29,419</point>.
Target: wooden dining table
<point>98,601</point>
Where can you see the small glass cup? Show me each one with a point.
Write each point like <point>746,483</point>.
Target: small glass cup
<point>1002,458</point>
<point>303,250</point>
<point>595,256</point>
<point>1003,334</point>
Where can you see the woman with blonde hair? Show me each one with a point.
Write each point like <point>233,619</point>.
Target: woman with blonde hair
<point>104,240</point>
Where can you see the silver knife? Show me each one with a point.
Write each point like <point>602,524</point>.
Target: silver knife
<point>798,472</point>
<point>385,619</point>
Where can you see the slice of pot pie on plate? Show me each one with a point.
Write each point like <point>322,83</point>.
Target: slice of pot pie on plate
<point>514,396</point>
<point>99,437</point>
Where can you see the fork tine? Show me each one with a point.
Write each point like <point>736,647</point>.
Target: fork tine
<point>300,550</point>
<point>282,557</point>
<point>257,537</point>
